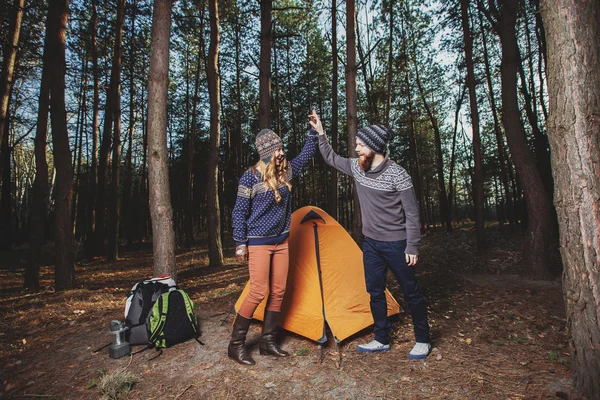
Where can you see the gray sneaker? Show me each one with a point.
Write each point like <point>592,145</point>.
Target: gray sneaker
<point>373,347</point>
<point>419,351</point>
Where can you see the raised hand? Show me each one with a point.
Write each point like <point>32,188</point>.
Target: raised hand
<point>315,122</point>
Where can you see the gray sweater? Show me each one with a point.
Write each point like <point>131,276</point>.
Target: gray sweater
<point>388,204</point>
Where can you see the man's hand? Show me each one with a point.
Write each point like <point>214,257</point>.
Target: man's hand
<point>315,122</point>
<point>412,259</point>
<point>241,253</point>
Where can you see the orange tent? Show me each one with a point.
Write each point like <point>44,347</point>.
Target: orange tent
<point>326,282</point>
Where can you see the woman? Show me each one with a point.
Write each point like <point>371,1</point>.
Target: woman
<point>261,226</point>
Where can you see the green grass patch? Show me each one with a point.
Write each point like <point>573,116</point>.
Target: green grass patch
<point>302,352</point>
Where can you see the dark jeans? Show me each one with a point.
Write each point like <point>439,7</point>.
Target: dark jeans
<point>378,256</point>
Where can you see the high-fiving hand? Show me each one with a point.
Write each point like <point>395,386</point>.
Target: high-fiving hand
<point>315,123</point>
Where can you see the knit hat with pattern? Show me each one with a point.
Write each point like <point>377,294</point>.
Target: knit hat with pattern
<point>267,143</point>
<point>376,137</point>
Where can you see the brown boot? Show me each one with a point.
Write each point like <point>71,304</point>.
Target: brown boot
<point>237,346</point>
<point>268,344</point>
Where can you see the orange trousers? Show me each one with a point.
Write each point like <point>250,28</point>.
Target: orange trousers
<point>268,266</point>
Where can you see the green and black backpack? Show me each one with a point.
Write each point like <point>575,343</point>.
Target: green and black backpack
<point>172,320</point>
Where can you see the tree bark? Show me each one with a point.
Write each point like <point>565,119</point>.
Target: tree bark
<point>266,41</point>
<point>451,186</point>
<point>6,205</point>
<point>64,268</point>
<point>540,141</point>
<point>333,191</point>
<point>478,176</point>
<point>8,68</point>
<point>352,107</point>
<point>37,221</point>
<point>91,202</point>
<point>497,131</point>
<point>161,211</point>
<point>390,66</point>
<point>215,248</point>
<point>573,29</point>
<point>539,211</point>
<point>443,199</point>
<point>128,194</point>
<point>78,150</point>
<point>114,206</point>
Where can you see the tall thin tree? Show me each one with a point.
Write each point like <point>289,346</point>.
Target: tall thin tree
<point>333,191</point>
<point>215,248</point>
<point>8,68</point>
<point>266,42</point>
<point>112,252</point>
<point>471,82</point>
<point>64,268</point>
<point>161,211</point>
<point>37,222</point>
<point>352,106</point>
<point>539,208</point>
<point>93,182</point>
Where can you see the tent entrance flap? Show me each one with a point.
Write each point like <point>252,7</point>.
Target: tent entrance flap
<point>320,272</point>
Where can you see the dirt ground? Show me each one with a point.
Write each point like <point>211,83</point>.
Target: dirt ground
<point>495,334</point>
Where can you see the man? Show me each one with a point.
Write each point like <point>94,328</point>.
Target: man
<point>390,224</point>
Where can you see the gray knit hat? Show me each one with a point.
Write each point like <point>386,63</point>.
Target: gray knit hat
<point>267,143</point>
<point>376,137</point>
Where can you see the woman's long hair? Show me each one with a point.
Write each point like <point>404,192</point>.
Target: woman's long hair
<point>274,176</point>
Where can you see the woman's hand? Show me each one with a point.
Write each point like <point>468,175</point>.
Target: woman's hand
<point>241,253</point>
<point>315,123</point>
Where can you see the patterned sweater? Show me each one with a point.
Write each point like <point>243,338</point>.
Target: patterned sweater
<point>389,207</point>
<point>257,218</point>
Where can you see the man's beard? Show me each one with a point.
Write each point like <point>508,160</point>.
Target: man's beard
<point>365,162</point>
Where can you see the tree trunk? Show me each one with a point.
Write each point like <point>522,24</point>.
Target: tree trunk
<point>412,145</point>
<point>352,107</point>
<point>78,150</point>
<point>443,199</point>
<point>478,176</point>
<point>451,186</point>
<point>215,248</point>
<point>266,40</point>
<point>91,202</point>
<point>64,269</point>
<point>499,140</point>
<point>191,148</point>
<point>371,106</point>
<point>333,191</point>
<point>161,212</point>
<point>390,69</point>
<point>114,208</point>
<point>540,141</point>
<point>6,205</point>
<point>37,221</point>
<point>8,68</point>
<point>128,194</point>
<point>538,205</point>
<point>572,31</point>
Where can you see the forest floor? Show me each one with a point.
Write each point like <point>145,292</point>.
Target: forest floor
<point>495,334</point>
